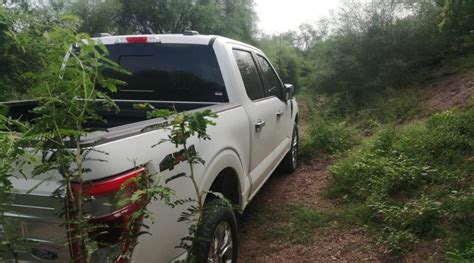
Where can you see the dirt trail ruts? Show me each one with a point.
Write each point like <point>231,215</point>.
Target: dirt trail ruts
<point>332,244</point>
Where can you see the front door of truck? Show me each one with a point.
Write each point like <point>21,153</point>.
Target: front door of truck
<point>283,110</point>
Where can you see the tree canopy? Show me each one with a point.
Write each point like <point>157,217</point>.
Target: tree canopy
<point>232,18</point>
<point>457,21</point>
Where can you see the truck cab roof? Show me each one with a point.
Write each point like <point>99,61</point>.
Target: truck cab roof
<point>195,39</point>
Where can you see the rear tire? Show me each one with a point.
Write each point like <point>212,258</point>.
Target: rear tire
<point>217,235</point>
<point>290,162</point>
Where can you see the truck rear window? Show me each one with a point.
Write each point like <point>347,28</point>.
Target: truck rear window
<point>168,72</point>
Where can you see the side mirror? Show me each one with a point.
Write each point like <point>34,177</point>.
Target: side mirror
<point>289,91</point>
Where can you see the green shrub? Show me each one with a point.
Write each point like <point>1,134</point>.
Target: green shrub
<point>417,180</point>
<point>460,207</point>
<point>464,255</point>
<point>397,108</point>
<point>327,136</point>
<point>445,140</point>
<point>398,241</point>
<point>366,173</point>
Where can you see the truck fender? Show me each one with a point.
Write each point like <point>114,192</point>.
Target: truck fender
<point>227,158</point>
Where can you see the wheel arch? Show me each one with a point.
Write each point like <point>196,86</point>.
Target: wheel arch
<point>225,174</point>
<point>226,183</point>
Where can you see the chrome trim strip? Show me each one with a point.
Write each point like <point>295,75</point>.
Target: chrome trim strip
<point>10,214</point>
<point>170,102</point>
<point>28,206</point>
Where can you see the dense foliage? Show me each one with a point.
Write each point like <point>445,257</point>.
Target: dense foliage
<point>367,47</point>
<point>363,49</point>
<point>457,19</point>
<point>25,48</point>
<point>223,17</point>
<point>373,48</point>
<point>29,21</point>
<point>416,181</point>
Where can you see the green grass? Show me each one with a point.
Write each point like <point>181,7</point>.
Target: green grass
<point>298,224</point>
<point>293,223</point>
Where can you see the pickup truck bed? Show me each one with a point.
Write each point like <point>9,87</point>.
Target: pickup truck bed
<point>126,115</point>
<point>128,121</point>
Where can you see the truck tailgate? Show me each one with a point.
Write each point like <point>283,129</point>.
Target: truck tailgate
<point>33,225</point>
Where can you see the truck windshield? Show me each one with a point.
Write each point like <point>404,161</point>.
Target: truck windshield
<point>168,72</point>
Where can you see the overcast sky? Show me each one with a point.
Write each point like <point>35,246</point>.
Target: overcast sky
<point>282,15</point>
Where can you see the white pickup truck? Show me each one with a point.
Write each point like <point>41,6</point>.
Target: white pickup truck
<point>256,132</point>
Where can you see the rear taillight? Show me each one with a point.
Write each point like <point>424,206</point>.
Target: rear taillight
<point>111,213</point>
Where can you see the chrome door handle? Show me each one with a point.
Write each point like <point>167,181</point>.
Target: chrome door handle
<point>279,114</point>
<point>259,125</point>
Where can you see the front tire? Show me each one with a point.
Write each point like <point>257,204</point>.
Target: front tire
<point>217,235</point>
<point>290,162</point>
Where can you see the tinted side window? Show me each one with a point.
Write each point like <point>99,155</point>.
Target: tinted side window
<point>249,73</point>
<point>272,83</point>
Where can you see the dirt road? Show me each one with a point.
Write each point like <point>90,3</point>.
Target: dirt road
<point>331,243</point>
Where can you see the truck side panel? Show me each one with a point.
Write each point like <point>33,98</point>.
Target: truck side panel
<point>226,137</point>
